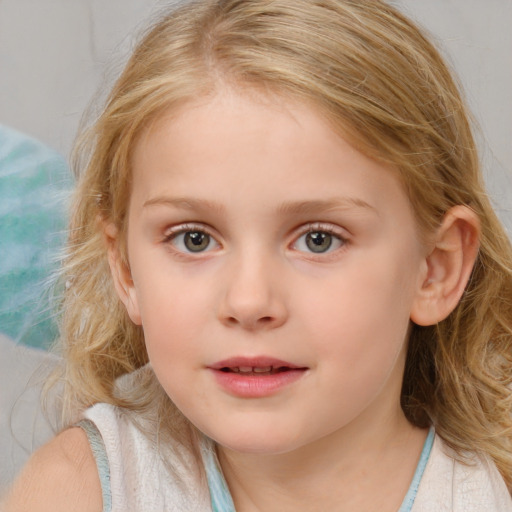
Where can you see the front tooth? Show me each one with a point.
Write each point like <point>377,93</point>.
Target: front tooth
<point>245,369</point>
<point>262,369</point>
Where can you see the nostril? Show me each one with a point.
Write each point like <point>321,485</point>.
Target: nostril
<point>263,320</point>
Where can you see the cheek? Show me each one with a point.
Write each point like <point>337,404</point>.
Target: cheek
<point>172,313</point>
<point>172,333</point>
<point>360,338</point>
<point>363,311</point>
<point>167,294</point>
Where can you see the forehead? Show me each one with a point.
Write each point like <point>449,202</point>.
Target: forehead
<point>257,146</point>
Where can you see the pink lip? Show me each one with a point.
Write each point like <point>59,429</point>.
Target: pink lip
<point>269,377</point>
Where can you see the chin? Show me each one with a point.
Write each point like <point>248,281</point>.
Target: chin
<point>262,443</point>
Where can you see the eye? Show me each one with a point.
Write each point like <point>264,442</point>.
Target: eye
<point>318,242</point>
<point>192,241</point>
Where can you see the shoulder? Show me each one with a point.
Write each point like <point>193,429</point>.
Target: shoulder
<point>62,475</point>
<point>454,484</point>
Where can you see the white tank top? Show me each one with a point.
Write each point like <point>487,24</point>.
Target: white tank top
<point>135,478</point>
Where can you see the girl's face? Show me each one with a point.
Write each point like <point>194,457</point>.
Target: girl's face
<point>274,269</point>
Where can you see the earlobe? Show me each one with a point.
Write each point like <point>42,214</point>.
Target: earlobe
<point>121,275</point>
<point>449,266</point>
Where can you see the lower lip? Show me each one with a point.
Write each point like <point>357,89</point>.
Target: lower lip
<point>256,386</point>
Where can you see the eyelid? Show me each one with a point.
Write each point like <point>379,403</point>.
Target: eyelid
<point>326,227</point>
<point>172,231</point>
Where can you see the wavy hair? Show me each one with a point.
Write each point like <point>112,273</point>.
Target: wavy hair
<point>374,75</point>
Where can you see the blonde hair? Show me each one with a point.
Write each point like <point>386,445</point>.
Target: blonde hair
<point>374,75</point>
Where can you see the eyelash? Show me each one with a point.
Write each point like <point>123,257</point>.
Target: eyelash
<point>183,229</point>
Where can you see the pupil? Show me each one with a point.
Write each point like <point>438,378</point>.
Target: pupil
<point>196,241</point>
<point>318,241</point>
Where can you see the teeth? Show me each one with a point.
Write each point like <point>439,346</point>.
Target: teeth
<point>263,369</point>
<point>252,369</point>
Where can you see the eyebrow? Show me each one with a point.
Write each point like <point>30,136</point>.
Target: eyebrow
<point>185,203</point>
<point>286,208</point>
<point>324,205</point>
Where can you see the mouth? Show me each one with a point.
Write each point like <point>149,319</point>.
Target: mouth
<point>255,366</point>
<point>257,370</point>
<point>256,377</point>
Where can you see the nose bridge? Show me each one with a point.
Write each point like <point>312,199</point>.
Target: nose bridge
<point>254,296</point>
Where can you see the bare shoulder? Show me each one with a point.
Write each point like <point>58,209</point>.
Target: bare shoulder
<point>61,475</point>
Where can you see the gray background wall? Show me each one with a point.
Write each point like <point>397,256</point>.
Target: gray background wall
<point>54,55</point>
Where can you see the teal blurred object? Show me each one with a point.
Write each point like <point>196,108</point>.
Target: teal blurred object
<point>34,186</point>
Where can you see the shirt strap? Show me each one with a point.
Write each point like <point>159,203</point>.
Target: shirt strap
<point>420,469</point>
<point>220,497</point>
<point>100,456</point>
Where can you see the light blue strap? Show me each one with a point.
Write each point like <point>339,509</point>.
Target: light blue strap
<point>100,456</point>
<point>220,497</point>
<point>420,469</point>
<point>221,500</point>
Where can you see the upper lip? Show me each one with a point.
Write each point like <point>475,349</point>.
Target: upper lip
<point>254,362</point>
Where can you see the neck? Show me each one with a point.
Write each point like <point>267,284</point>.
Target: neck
<point>349,469</point>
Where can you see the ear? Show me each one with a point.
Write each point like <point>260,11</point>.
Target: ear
<point>449,266</point>
<point>121,275</point>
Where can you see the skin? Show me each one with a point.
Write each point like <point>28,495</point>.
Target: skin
<point>344,314</point>
<point>253,175</point>
<point>256,175</point>
<point>59,477</point>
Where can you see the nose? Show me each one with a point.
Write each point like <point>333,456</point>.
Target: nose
<point>254,296</point>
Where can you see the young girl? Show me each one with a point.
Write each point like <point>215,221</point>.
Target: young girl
<point>286,288</point>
